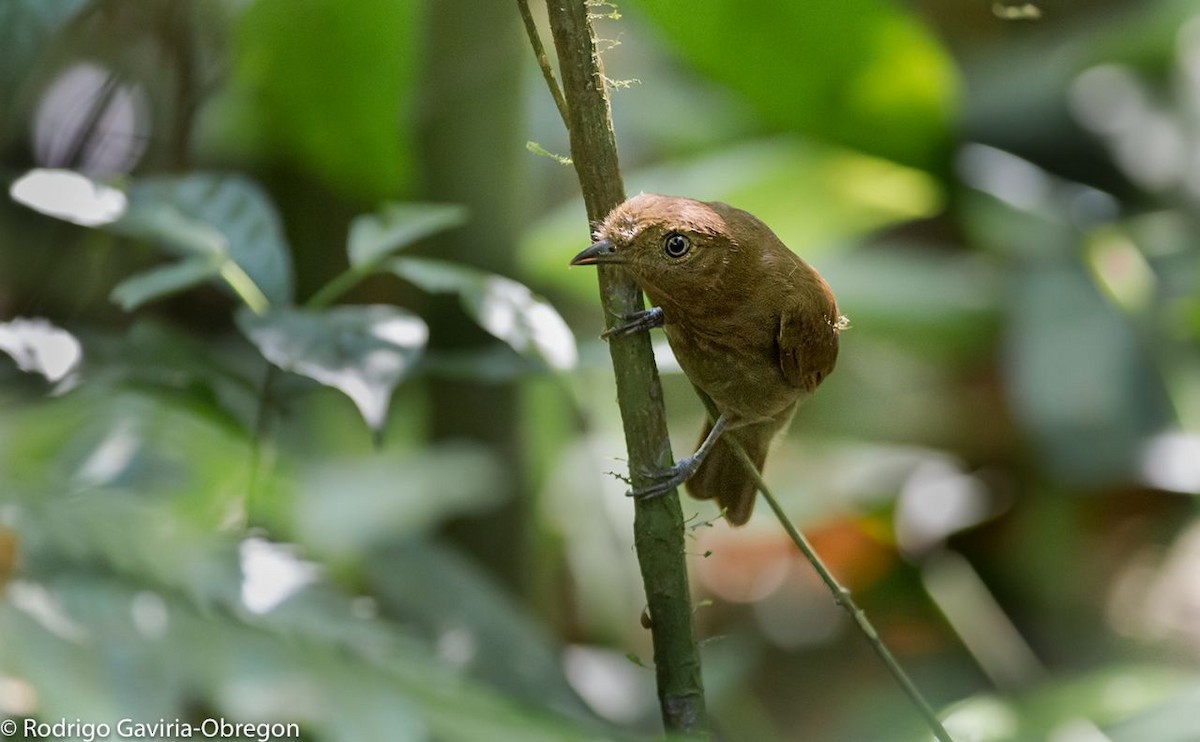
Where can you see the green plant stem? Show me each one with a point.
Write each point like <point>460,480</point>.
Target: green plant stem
<point>841,595</point>
<point>539,51</point>
<point>341,283</point>
<point>259,440</point>
<point>324,297</point>
<point>658,522</point>
<point>245,287</point>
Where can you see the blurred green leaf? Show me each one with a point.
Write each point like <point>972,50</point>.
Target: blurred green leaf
<point>918,296</point>
<point>324,86</point>
<point>505,308</point>
<point>164,281</point>
<point>219,379</point>
<point>73,639</point>
<point>113,582</point>
<point>1072,706</point>
<point>494,639</point>
<point>105,437</point>
<point>813,197</point>
<point>118,531</point>
<point>1091,409</point>
<point>396,226</point>
<point>26,25</point>
<point>224,217</point>
<point>1021,90</point>
<point>363,351</point>
<point>343,508</point>
<point>1174,720</point>
<point>494,363</point>
<point>862,73</point>
<point>1078,375</point>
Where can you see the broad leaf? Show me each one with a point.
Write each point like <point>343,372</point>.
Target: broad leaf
<point>226,216</point>
<point>396,226</point>
<point>164,281</point>
<point>363,351</point>
<point>505,308</point>
<point>863,73</point>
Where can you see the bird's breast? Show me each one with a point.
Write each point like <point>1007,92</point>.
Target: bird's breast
<point>738,366</point>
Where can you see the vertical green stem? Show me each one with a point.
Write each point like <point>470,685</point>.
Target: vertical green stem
<point>658,522</point>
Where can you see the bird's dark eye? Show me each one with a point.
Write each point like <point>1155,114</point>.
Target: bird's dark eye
<point>676,245</point>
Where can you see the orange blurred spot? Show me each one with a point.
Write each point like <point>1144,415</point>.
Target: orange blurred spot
<point>854,557</point>
<point>748,564</point>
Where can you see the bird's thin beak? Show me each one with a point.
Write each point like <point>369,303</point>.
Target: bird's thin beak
<point>601,252</point>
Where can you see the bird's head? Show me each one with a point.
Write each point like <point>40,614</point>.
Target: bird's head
<point>671,245</point>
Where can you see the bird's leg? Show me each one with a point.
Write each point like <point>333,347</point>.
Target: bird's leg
<point>647,319</point>
<point>682,470</point>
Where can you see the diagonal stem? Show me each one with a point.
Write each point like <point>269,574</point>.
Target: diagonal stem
<point>841,595</point>
<point>539,51</point>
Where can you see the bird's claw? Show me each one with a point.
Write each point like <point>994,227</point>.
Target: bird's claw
<point>667,479</point>
<point>647,319</point>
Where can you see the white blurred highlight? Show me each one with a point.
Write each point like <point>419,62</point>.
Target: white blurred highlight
<point>1159,599</point>
<point>403,331</point>
<point>40,347</point>
<point>937,500</point>
<point>1009,178</point>
<point>664,357</point>
<point>610,683</point>
<point>510,311</point>
<point>1171,461</point>
<point>43,606</point>
<point>457,646</point>
<point>69,196</point>
<point>17,697</point>
<point>979,620</point>
<point>982,718</point>
<point>1107,99</point>
<point>149,613</point>
<point>271,573</point>
<point>1077,730</point>
<point>112,456</point>
<point>1154,143</point>
<point>801,613</point>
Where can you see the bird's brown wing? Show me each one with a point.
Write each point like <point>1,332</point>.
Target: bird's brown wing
<point>808,342</point>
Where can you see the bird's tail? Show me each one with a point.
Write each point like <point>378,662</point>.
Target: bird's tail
<point>723,476</point>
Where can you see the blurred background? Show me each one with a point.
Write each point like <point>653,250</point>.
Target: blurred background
<point>304,417</point>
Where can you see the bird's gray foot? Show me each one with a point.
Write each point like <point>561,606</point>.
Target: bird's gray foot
<point>668,479</point>
<point>647,319</point>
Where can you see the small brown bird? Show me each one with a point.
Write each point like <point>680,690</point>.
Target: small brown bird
<point>754,327</point>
